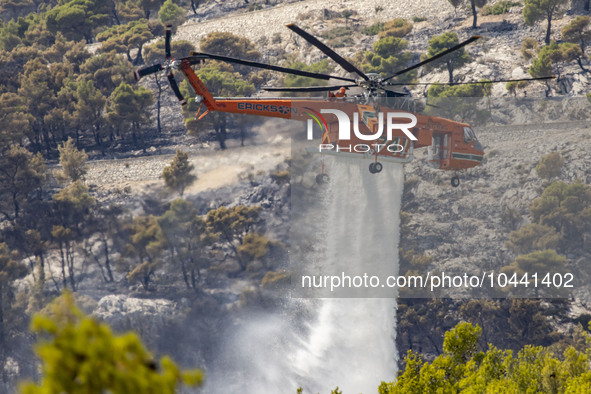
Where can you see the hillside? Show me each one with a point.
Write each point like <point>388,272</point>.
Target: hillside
<point>172,273</point>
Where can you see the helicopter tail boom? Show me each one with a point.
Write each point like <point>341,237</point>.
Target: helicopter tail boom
<point>202,93</point>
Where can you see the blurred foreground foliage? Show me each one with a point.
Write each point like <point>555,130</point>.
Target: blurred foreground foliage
<point>81,355</point>
<point>462,367</point>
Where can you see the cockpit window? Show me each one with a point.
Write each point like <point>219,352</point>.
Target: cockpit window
<point>469,135</point>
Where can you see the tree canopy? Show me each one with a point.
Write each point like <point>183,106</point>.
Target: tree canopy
<point>77,19</point>
<point>177,175</point>
<point>450,62</point>
<point>82,355</point>
<point>537,10</point>
<point>462,368</point>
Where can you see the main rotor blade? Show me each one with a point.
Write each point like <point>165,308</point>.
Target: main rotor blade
<point>142,72</point>
<point>429,60</point>
<point>470,83</point>
<point>308,88</point>
<point>198,57</point>
<point>167,41</point>
<point>175,89</point>
<point>327,51</point>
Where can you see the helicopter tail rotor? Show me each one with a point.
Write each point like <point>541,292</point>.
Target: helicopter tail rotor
<point>175,88</point>
<point>167,42</point>
<point>142,72</point>
<point>169,65</point>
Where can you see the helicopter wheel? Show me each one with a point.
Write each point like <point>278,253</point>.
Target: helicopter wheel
<point>455,181</point>
<point>372,167</point>
<point>377,167</point>
<point>322,179</point>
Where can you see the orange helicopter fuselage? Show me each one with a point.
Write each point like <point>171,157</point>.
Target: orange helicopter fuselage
<point>452,145</point>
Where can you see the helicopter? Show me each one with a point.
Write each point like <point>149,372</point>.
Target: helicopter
<point>381,132</point>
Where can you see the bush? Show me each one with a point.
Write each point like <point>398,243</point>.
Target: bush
<point>462,100</point>
<point>529,48</point>
<point>73,162</point>
<point>550,166</point>
<point>81,355</point>
<point>532,237</point>
<point>501,7</point>
<point>511,217</point>
<point>276,279</point>
<point>373,29</point>
<point>514,85</point>
<point>337,32</point>
<point>253,247</point>
<point>396,28</point>
<point>567,208</point>
<point>281,177</point>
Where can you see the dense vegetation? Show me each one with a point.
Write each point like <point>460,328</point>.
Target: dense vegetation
<point>58,101</point>
<point>462,367</point>
<point>81,355</point>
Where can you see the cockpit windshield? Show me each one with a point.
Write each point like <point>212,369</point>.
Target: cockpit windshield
<point>469,135</point>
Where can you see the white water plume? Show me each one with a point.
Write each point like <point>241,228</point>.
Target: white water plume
<point>322,343</point>
<point>351,344</point>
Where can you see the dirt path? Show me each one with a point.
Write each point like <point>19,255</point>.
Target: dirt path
<point>270,21</point>
<point>214,168</point>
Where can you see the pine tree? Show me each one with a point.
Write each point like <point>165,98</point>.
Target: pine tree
<point>177,176</point>
<point>80,355</point>
<point>537,10</point>
<point>452,61</point>
<point>73,162</point>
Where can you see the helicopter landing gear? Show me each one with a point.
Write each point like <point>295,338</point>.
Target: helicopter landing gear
<point>455,181</point>
<point>376,167</point>
<point>322,179</point>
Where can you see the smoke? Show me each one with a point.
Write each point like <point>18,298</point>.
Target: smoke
<point>321,343</point>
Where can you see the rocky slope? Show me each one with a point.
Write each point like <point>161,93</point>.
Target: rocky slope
<point>461,228</point>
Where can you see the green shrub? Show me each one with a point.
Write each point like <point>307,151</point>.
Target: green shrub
<point>500,7</point>
<point>550,166</point>
<point>373,29</point>
<point>396,28</point>
<point>337,32</point>
<point>276,279</point>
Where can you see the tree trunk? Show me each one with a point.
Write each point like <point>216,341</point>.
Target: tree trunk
<point>549,28</point>
<point>474,14</point>
<point>41,262</point>
<point>63,263</point>
<point>115,15</point>
<point>70,260</point>
<point>139,58</point>
<point>450,70</point>
<point>220,131</point>
<point>16,205</point>
<point>193,279</point>
<point>183,267</point>
<point>107,260</point>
